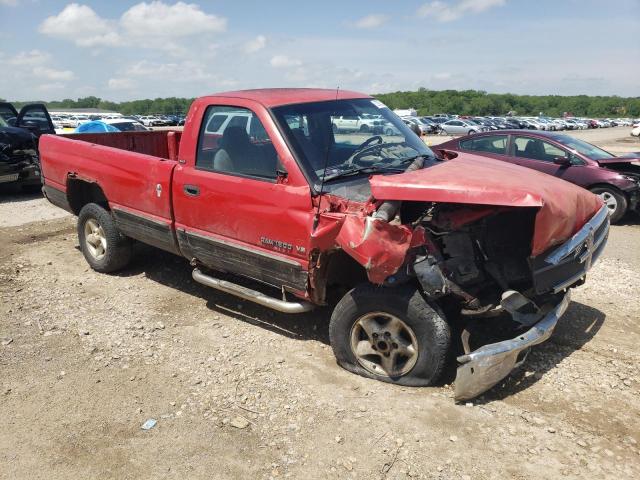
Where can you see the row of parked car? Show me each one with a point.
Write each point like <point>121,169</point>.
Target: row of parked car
<point>66,120</point>
<point>467,125</point>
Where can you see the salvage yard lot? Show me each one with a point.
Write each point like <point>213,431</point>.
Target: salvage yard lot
<point>242,392</point>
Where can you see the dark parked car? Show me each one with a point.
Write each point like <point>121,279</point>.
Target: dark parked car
<point>514,123</point>
<point>615,179</point>
<point>19,133</point>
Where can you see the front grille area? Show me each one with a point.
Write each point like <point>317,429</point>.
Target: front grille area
<point>566,265</point>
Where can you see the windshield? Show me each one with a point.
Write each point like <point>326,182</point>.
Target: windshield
<point>129,127</point>
<point>584,148</point>
<point>358,135</point>
<point>3,122</point>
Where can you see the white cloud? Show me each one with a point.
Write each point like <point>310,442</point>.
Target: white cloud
<point>154,22</point>
<point>30,58</point>
<point>447,12</point>
<point>179,20</point>
<point>371,21</point>
<point>256,44</point>
<point>81,25</point>
<point>185,71</point>
<point>53,74</point>
<point>47,87</point>
<point>282,61</point>
<point>121,83</point>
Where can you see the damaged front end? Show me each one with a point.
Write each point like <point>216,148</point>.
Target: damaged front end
<point>497,262</point>
<point>485,266</point>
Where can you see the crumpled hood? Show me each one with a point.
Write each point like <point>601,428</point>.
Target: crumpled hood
<point>470,179</point>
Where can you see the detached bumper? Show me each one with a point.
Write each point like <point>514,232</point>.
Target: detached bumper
<point>483,368</point>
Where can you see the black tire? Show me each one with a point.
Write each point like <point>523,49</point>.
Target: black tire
<point>118,248</point>
<point>620,201</point>
<point>430,329</point>
<point>471,132</point>
<point>389,132</point>
<point>364,128</point>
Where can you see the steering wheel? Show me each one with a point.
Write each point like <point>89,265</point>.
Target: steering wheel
<point>364,146</point>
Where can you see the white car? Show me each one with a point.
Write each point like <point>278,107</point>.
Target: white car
<point>461,127</point>
<point>353,123</point>
<point>150,120</point>
<point>636,131</point>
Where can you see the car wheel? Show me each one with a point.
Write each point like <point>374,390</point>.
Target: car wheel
<point>388,131</point>
<point>102,244</point>
<point>614,200</point>
<point>471,132</point>
<point>364,128</point>
<point>390,334</point>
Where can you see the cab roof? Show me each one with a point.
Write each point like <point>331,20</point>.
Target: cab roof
<point>274,97</point>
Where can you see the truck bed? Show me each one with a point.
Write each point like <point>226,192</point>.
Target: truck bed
<point>157,143</point>
<point>133,170</point>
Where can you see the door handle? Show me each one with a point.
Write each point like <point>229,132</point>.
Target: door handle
<point>192,190</point>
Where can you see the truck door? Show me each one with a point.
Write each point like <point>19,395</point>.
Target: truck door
<point>235,210</point>
<point>35,117</point>
<point>8,113</point>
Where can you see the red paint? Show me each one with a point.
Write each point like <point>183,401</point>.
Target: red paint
<point>471,180</point>
<point>130,166</point>
<point>379,246</point>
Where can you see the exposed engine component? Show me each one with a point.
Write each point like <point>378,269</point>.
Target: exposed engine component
<point>460,258</point>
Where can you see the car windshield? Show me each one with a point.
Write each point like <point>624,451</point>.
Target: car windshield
<point>584,148</point>
<point>3,122</point>
<point>129,127</point>
<point>343,136</point>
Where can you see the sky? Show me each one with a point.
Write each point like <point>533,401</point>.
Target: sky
<point>123,50</point>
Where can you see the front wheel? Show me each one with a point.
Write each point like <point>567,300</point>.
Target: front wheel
<point>390,334</point>
<point>615,201</point>
<point>103,246</point>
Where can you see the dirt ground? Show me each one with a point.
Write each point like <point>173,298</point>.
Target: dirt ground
<point>241,392</point>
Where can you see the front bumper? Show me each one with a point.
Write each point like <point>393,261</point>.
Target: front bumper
<point>483,368</point>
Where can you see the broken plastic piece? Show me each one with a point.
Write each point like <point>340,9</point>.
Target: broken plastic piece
<point>149,424</point>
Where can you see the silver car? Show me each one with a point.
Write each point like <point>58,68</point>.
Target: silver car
<point>461,127</point>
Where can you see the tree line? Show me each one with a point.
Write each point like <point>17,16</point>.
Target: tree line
<point>165,106</point>
<point>477,102</point>
<point>426,102</point>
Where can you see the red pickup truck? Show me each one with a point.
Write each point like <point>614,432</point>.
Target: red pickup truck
<point>423,256</point>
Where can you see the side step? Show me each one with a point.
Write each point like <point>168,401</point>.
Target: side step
<point>251,295</point>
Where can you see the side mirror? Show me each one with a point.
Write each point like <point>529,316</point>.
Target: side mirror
<point>443,154</point>
<point>562,161</point>
<point>281,172</point>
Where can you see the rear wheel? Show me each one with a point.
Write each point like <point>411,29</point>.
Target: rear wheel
<point>471,132</point>
<point>390,334</point>
<point>615,201</point>
<point>103,246</point>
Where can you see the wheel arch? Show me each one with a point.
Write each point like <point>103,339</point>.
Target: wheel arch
<point>81,192</point>
<point>336,273</point>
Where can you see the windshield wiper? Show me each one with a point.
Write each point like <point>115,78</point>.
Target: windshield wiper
<point>370,169</point>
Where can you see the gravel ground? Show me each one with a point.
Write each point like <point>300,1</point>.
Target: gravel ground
<point>242,392</point>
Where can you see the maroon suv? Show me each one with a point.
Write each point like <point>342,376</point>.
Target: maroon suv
<point>615,179</point>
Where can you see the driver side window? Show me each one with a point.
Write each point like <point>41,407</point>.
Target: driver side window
<point>234,141</point>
